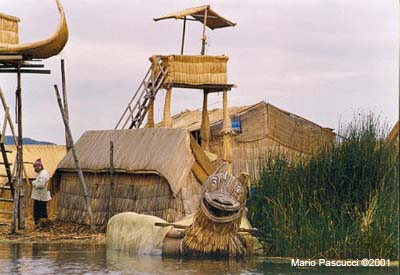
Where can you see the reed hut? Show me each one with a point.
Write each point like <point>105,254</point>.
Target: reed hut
<point>50,155</point>
<point>257,130</point>
<point>155,174</point>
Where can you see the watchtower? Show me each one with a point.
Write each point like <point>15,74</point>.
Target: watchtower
<point>202,72</point>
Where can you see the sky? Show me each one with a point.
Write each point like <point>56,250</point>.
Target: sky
<point>324,60</point>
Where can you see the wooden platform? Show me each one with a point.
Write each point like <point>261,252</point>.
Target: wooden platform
<point>211,88</point>
<point>14,63</point>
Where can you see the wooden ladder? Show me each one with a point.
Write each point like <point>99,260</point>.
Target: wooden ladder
<point>10,175</point>
<point>137,108</point>
<point>9,186</point>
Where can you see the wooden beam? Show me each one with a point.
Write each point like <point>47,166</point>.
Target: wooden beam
<point>3,132</point>
<point>180,226</point>
<point>25,71</point>
<point>211,88</point>
<point>183,35</point>
<point>112,176</point>
<point>23,65</point>
<point>11,57</point>
<point>11,123</point>
<point>203,38</point>
<point>65,101</point>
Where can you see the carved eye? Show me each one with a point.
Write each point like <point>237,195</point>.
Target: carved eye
<point>239,190</point>
<point>213,185</point>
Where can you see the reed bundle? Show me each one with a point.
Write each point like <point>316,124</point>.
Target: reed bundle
<point>209,238</point>
<point>196,70</point>
<point>8,29</point>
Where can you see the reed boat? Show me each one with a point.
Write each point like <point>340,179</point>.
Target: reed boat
<point>42,49</point>
<point>213,231</point>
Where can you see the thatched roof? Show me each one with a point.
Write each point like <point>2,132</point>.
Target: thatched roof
<point>157,151</point>
<point>50,155</point>
<point>214,20</point>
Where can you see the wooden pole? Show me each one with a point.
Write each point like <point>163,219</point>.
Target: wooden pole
<point>11,123</point>
<point>205,131</point>
<point>19,204</point>
<point>20,163</point>
<point>180,226</point>
<point>183,35</point>
<point>64,92</point>
<point>77,163</point>
<point>150,112</point>
<point>203,38</point>
<point>227,133</point>
<point>167,120</point>
<point>112,173</point>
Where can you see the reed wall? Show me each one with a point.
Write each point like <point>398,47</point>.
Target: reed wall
<point>147,194</point>
<point>196,69</point>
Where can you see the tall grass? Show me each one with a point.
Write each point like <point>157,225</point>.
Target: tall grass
<point>342,202</point>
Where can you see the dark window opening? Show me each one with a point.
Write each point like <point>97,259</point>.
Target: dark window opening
<point>196,135</point>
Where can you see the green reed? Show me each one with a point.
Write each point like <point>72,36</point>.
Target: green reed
<point>342,202</point>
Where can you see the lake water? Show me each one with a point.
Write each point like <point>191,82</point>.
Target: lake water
<point>39,258</point>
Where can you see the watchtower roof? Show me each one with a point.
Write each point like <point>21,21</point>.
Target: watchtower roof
<point>214,20</point>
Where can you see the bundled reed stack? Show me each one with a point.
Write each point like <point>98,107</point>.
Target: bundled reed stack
<point>8,29</point>
<point>195,69</point>
<point>167,120</point>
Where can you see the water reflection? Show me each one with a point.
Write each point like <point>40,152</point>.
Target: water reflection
<point>40,258</point>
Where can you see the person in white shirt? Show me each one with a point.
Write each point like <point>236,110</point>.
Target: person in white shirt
<point>40,194</point>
